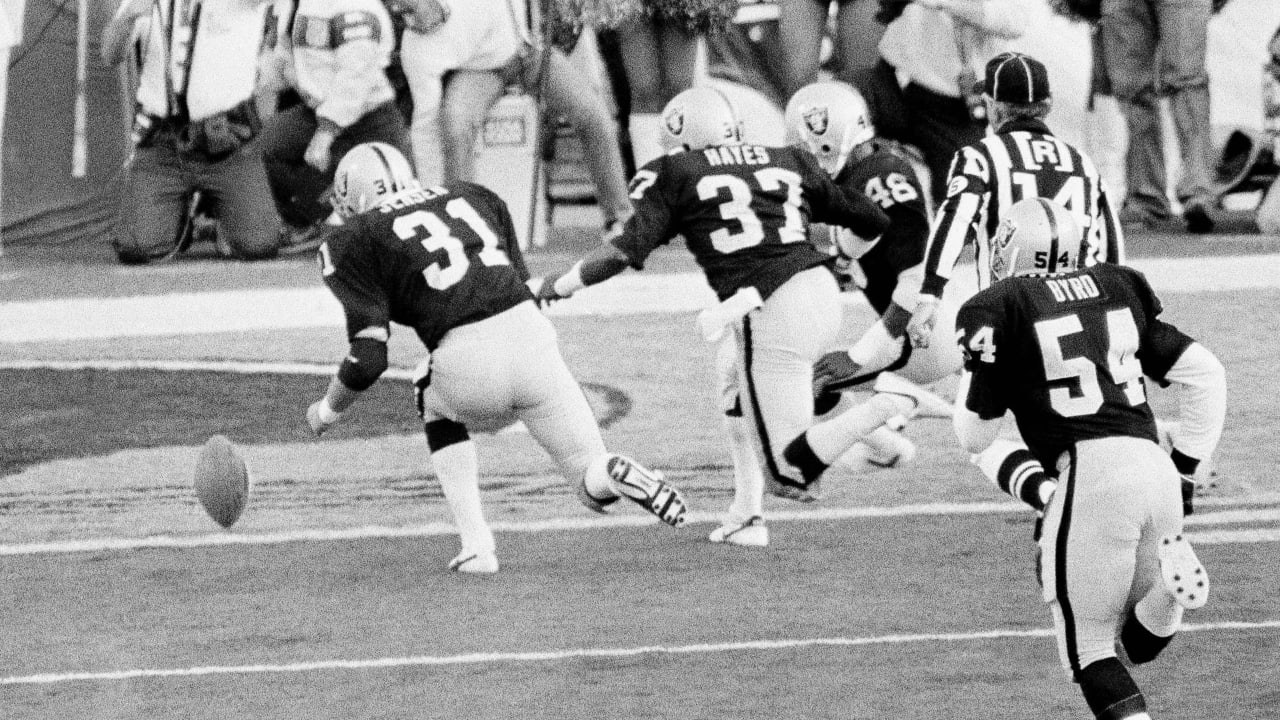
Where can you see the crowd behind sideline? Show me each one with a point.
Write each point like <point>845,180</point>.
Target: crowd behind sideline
<point>259,98</point>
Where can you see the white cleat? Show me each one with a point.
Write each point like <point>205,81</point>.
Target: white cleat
<point>751,533</point>
<point>485,563</point>
<point>648,489</point>
<point>1184,576</point>
<point>927,403</point>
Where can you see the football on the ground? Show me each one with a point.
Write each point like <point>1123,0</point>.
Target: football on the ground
<point>222,481</point>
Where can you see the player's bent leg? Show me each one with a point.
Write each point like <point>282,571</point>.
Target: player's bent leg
<point>453,455</point>
<point>814,450</point>
<point>1110,691</point>
<point>1141,642</point>
<point>645,487</point>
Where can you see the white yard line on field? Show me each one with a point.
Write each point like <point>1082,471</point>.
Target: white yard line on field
<point>636,293</point>
<point>562,524</point>
<point>576,653</point>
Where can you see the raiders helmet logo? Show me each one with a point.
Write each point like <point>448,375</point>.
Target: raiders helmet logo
<point>674,120</point>
<point>815,118</point>
<point>1000,246</point>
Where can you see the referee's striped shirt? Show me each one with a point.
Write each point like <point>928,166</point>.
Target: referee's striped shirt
<point>1022,160</point>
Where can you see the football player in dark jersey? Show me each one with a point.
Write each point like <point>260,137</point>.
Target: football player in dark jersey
<point>1020,159</point>
<point>444,262</point>
<point>830,120</point>
<point>1065,350</point>
<point>744,212</point>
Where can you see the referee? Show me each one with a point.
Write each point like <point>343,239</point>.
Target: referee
<point>1021,159</point>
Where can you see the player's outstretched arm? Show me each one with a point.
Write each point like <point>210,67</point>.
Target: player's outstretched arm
<point>358,372</point>
<point>599,265</point>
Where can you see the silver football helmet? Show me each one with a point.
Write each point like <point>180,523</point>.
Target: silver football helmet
<point>1035,236</point>
<point>700,117</point>
<point>828,119</point>
<point>368,175</point>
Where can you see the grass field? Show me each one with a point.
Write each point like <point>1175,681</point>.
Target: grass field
<point>906,593</point>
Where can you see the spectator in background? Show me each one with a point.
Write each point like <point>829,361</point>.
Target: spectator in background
<point>659,47</point>
<point>928,98</point>
<point>195,126</point>
<point>334,55</point>
<point>803,23</point>
<point>1153,48</point>
<point>459,66</point>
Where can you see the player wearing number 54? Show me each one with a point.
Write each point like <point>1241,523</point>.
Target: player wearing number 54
<point>1066,349</point>
<point>744,212</point>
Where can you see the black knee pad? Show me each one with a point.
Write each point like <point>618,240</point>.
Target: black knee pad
<point>1110,690</point>
<point>1140,644</point>
<point>444,432</point>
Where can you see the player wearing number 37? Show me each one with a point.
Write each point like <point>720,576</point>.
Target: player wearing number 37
<point>1065,350</point>
<point>744,212</point>
<point>444,262</point>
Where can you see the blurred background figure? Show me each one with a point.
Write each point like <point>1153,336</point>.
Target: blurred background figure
<point>333,55</point>
<point>802,25</point>
<point>459,68</point>
<point>922,91</point>
<point>1154,48</point>
<point>194,128</point>
<point>659,47</point>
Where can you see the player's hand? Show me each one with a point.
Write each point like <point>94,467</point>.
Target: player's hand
<point>831,369</point>
<point>317,154</point>
<point>544,291</point>
<point>1188,495</point>
<point>317,420</point>
<point>925,316</point>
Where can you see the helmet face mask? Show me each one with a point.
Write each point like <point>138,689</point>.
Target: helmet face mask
<point>700,117</point>
<point>1036,236</point>
<point>829,119</point>
<point>368,175</point>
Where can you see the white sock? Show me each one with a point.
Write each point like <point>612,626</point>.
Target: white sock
<point>1159,612</point>
<point>459,472</point>
<point>646,137</point>
<point>748,477</point>
<point>599,483</point>
<point>830,439</point>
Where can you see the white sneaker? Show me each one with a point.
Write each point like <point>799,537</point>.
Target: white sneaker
<point>475,562</point>
<point>1183,574</point>
<point>928,403</point>
<point>751,533</point>
<point>648,489</point>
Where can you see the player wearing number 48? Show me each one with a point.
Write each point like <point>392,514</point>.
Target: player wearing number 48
<point>744,211</point>
<point>1065,349</point>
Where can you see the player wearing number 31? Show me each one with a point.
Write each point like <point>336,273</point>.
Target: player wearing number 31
<point>444,262</point>
<point>1021,159</point>
<point>744,211</point>
<point>1065,350</point>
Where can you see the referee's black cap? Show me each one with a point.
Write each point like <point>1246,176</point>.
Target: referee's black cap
<point>1015,78</point>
